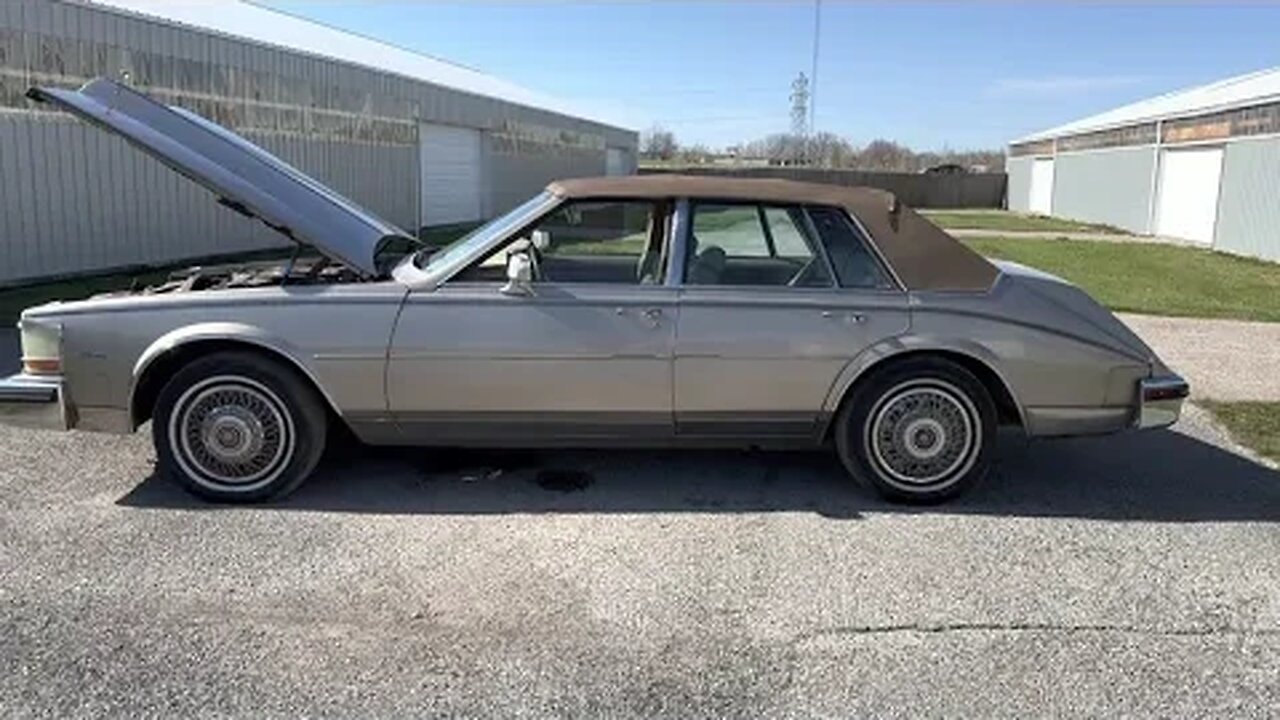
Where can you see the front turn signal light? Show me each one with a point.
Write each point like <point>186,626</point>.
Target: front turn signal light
<point>41,347</point>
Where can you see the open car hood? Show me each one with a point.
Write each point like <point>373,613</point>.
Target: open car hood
<point>244,177</point>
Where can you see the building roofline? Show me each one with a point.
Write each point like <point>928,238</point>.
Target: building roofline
<point>1151,110</point>
<point>150,11</point>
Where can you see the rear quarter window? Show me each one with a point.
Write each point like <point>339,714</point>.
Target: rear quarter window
<point>855,265</point>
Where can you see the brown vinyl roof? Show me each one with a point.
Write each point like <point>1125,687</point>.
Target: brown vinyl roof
<point>923,255</point>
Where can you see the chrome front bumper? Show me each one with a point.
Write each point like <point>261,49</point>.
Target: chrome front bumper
<point>32,401</point>
<point>1160,401</point>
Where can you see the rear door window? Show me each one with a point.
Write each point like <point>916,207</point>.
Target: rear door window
<point>746,244</point>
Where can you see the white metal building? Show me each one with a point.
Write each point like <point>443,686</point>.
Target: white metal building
<point>1201,165</point>
<point>420,141</point>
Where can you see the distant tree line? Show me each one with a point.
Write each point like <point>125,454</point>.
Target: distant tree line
<point>824,149</point>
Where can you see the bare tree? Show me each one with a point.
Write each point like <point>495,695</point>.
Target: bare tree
<point>886,156</point>
<point>779,149</point>
<point>658,143</point>
<point>829,150</point>
<point>694,154</point>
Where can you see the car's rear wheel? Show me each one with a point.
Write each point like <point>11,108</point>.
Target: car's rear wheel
<point>238,427</point>
<point>919,431</point>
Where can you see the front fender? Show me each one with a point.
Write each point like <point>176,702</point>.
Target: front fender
<point>235,332</point>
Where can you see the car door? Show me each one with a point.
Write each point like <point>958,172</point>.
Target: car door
<point>775,301</point>
<point>586,356</point>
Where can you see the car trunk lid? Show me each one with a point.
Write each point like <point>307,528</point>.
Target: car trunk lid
<point>243,176</point>
<point>1099,323</point>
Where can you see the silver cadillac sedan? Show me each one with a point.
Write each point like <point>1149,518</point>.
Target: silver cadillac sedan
<point>657,311</point>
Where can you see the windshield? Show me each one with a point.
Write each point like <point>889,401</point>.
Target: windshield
<point>428,257</point>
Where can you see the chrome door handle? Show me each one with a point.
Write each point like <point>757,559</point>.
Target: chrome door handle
<point>852,318</point>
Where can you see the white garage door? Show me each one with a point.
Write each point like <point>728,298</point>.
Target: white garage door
<point>451,177</point>
<point>615,162</point>
<point>1041,200</point>
<point>1188,199</point>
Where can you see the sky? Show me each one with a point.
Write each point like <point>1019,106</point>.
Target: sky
<point>959,75</point>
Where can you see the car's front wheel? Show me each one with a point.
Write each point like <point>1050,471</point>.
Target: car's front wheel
<point>921,430</point>
<point>238,427</point>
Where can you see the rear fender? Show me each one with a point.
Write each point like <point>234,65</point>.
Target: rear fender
<point>903,345</point>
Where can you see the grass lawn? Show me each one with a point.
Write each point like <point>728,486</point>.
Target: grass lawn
<point>1152,278</point>
<point>1005,220</point>
<point>1253,424</point>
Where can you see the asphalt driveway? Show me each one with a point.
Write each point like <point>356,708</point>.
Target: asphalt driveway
<point>1132,574</point>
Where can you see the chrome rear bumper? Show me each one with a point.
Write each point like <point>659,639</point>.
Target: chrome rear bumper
<point>1160,401</point>
<point>34,402</point>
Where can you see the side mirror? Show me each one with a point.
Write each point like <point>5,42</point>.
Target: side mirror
<point>519,274</point>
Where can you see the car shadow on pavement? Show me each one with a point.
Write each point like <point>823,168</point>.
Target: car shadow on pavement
<point>1152,476</point>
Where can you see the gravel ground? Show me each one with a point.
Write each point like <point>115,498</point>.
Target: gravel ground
<point>1222,359</point>
<point>1134,574</point>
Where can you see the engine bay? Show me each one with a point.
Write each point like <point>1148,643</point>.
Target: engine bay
<point>267,273</point>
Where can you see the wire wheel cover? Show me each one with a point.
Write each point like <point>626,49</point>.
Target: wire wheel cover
<point>923,434</point>
<point>230,432</point>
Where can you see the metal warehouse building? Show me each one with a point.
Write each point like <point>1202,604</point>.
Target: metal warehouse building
<point>1201,165</point>
<point>420,141</point>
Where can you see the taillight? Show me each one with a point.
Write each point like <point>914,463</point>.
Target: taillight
<point>41,347</point>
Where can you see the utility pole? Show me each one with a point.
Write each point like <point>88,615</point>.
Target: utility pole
<point>813,69</point>
<point>800,110</point>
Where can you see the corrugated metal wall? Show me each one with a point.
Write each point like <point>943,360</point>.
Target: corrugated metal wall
<point>1019,171</point>
<point>1085,184</point>
<point>1249,209</point>
<point>75,200</point>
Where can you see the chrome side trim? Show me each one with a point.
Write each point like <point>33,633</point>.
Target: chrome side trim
<point>1076,421</point>
<point>1160,401</point>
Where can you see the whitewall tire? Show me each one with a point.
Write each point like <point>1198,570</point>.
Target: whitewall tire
<point>238,427</point>
<point>920,430</point>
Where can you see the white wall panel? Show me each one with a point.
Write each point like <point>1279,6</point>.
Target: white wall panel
<point>1018,196</point>
<point>617,161</point>
<point>1110,186</point>
<point>452,170</point>
<point>1041,196</point>
<point>1187,193</point>
<point>1249,210</point>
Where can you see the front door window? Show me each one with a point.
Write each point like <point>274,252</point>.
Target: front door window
<point>617,242</point>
